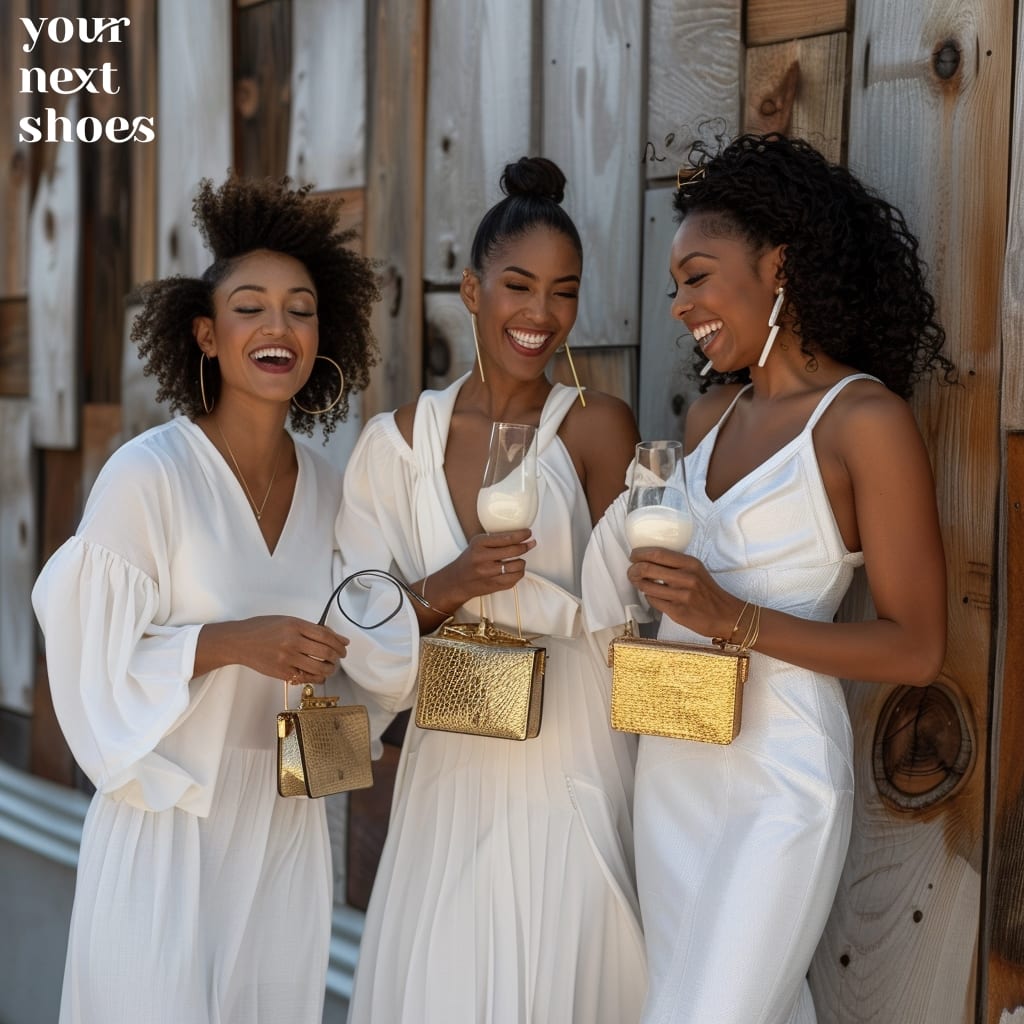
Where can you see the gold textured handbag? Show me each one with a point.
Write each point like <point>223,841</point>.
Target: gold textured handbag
<point>478,679</point>
<point>677,690</point>
<point>322,748</point>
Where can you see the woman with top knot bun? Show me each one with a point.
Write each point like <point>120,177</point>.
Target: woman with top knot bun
<point>505,892</point>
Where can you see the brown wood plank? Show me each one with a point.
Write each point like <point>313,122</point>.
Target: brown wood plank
<point>397,44</point>
<point>49,755</point>
<point>593,90</point>
<point>1004,991</point>
<point>368,813</point>
<point>48,54</point>
<point>262,88</point>
<point>140,79</point>
<point>17,555</point>
<point>14,373</point>
<point>327,127</point>
<point>15,158</point>
<point>773,21</point>
<point>480,100</point>
<point>902,941</point>
<point>799,88</point>
<point>680,103</point>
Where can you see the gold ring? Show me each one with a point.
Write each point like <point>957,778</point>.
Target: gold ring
<point>502,568</point>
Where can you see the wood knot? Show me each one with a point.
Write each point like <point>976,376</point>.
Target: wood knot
<point>923,747</point>
<point>946,59</point>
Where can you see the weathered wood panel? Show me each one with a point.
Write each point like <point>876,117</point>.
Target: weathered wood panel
<point>327,137</point>
<point>141,82</point>
<point>139,408</point>
<point>397,33</point>
<point>772,21</point>
<point>593,127</point>
<point>17,555</point>
<point>681,105</point>
<point>480,97</point>
<point>665,348</point>
<point>799,88</point>
<point>1004,992</point>
<point>449,341</point>
<point>902,941</point>
<point>611,370</point>
<point>194,127</point>
<point>54,299</point>
<point>15,161</point>
<point>263,53</point>
<point>14,373</point>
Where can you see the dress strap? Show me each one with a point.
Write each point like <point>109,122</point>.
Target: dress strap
<point>830,396</point>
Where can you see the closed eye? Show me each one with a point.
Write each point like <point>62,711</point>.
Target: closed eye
<point>695,279</point>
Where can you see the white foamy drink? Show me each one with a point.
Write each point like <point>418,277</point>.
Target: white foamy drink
<point>657,526</point>
<point>506,506</point>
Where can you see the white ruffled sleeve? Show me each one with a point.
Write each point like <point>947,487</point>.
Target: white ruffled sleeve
<point>374,530</point>
<point>609,599</point>
<point>120,682</point>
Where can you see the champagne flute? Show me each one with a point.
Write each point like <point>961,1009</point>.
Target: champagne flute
<point>508,496</point>
<point>658,511</point>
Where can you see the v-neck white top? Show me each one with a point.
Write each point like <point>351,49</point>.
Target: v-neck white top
<point>192,869</point>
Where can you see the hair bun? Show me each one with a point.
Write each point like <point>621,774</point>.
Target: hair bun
<point>534,176</point>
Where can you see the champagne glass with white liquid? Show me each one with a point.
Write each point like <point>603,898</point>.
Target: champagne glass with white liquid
<point>508,497</point>
<point>658,513</point>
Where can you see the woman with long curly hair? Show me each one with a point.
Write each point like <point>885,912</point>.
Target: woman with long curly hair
<point>805,295</point>
<point>188,593</point>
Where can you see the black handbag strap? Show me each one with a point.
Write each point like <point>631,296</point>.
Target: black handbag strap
<point>382,574</point>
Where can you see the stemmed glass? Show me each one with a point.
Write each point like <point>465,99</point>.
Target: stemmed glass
<point>508,494</point>
<point>658,512</point>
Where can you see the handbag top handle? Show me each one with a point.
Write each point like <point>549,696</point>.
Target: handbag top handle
<point>403,588</point>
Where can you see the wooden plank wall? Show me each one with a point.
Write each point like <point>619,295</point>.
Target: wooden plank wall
<point>411,109</point>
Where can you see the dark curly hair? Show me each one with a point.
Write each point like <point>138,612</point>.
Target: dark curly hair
<point>534,188</point>
<point>240,217</point>
<point>854,280</point>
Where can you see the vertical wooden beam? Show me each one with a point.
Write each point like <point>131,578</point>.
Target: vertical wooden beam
<point>17,556</point>
<point>480,97</point>
<point>327,130</point>
<point>394,196</point>
<point>14,373</point>
<point>142,88</point>
<point>15,162</point>
<point>593,104</point>
<point>694,69</point>
<point>902,941</point>
<point>54,299</point>
<point>262,77</point>
<point>194,127</point>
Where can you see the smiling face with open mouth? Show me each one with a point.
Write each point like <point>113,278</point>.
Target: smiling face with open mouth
<point>723,291</point>
<point>526,302</point>
<point>264,332</point>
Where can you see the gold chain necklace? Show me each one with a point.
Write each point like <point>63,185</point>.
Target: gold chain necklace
<point>257,509</point>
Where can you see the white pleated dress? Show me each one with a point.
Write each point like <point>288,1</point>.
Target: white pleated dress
<point>202,897</point>
<point>505,893</point>
<point>739,848</point>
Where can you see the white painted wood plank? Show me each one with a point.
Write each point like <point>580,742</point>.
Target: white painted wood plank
<point>479,99</point>
<point>693,77</point>
<point>449,342</point>
<point>193,122</point>
<point>53,298</point>
<point>17,556</point>
<point>665,344</point>
<point>327,139</point>
<point>593,127</point>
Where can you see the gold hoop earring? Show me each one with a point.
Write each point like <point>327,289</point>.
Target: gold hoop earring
<point>476,345</point>
<point>572,366</point>
<point>337,399</point>
<point>207,406</point>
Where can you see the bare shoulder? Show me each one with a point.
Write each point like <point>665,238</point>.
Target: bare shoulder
<point>604,421</point>
<point>404,417</point>
<point>705,411</point>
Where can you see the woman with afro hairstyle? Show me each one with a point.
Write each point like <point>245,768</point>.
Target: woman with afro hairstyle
<point>190,590</point>
<point>805,295</point>
<point>505,891</point>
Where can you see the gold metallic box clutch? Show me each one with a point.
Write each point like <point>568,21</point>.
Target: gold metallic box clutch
<point>478,679</point>
<point>681,691</point>
<point>322,748</point>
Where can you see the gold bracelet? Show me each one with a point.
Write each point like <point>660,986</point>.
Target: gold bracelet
<point>722,642</point>
<point>423,598</point>
<point>753,630</point>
